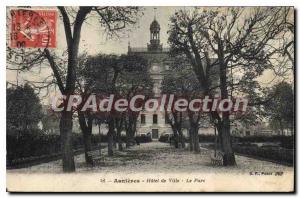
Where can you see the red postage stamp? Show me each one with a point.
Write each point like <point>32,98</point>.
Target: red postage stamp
<point>33,28</point>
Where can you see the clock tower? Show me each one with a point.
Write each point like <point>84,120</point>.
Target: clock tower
<point>154,37</point>
<point>154,123</point>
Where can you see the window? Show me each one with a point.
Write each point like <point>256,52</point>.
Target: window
<point>154,118</point>
<point>247,132</point>
<point>166,119</point>
<point>143,119</point>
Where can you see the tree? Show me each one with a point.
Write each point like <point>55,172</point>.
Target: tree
<point>134,79</point>
<point>240,42</point>
<point>124,76</point>
<point>113,19</point>
<point>280,110</point>
<point>290,26</point>
<point>99,75</point>
<point>50,123</point>
<point>23,110</point>
<point>181,81</point>
<point>85,118</point>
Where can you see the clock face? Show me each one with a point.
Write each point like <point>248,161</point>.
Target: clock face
<point>155,68</point>
<point>33,28</point>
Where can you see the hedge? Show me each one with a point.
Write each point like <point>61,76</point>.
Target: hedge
<point>202,138</point>
<point>277,154</point>
<point>143,139</point>
<point>34,143</point>
<point>284,141</point>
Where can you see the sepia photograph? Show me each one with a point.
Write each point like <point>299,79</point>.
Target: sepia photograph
<point>150,99</point>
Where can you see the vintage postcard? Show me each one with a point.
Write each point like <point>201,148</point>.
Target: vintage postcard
<point>150,99</point>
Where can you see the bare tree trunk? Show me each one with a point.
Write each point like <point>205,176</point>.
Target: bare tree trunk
<point>220,128</point>
<point>174,136</point>
<point>115,139</point>
<point>130,125</point>
<point>99,130</point>
<point>194,124</point>
<point>133,131</point>
<point>196,138</point>
<point>228,158</point>
<point>194,133</point>
<point>181,138</point>
<point>176,139</point>
<point>127,139</point>
<point>87,138</point>
<point>191,139</point>
<point>65,127</point>
<point>179,129</point>
<point>128,128</point>
<point>110,137</point>
<point>119,126</point>
<point>66,119</point>
<point>86,129</point>
<point>134,126</point>
<point>120,146</point>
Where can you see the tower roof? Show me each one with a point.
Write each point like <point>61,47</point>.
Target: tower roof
<point>154,26</point>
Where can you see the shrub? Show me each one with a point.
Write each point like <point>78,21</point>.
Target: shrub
<point>285,141</point>
<point>31,144</point>
<point>34,143</point>
<point>164,138</point>
<point>206,138</point>
<point>143,138</point>
<point>272,153</point>
<point>202,138</point>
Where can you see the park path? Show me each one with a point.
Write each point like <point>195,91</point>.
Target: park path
<point>159,158</point>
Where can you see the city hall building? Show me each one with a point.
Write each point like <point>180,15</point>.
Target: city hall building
<point>158,59</point>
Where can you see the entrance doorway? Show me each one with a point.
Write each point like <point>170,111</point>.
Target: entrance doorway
<point>154,133</point>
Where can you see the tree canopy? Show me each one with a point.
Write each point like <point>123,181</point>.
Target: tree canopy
<point>23,110</point>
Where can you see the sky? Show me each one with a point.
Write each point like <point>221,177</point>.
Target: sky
<point>95,41</point>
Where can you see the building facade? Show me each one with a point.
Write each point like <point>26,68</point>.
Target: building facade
<point>153,123</point>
